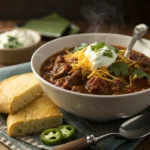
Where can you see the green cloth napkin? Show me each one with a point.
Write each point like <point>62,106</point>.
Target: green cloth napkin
<point>73,29</point>
<point>53,25</point>
<point>83,127</point>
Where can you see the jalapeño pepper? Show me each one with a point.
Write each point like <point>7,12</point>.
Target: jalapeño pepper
<point>67,131</point>
<point>51,136</point>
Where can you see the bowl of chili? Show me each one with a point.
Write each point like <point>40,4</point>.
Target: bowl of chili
<point>119,90</point>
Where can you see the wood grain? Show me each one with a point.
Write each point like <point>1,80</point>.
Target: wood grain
<point>145,144</point>
<point>79,144</point>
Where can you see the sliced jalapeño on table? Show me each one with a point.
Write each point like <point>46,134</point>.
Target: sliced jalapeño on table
<point>67,131</point>
<point>51,136</point>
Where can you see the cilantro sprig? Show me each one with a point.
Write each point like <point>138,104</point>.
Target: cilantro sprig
<point>83,45</point>
<point>122,68</point>
<point>12,42</point>
<point>140,73</point>
<point>113,48</point>
<point>108,52</point>
<point>119,68</point>
<point>97,46</point>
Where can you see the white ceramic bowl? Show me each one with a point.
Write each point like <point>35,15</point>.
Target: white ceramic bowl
<point>92,107</point>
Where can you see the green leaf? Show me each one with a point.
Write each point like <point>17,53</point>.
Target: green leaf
<point>98,46</point>
<point>93,48</point>
<point>83,45</point>
<point>11,38</point>
<point>140,73</point>
<point>119,68</point>
<point>113,48</point>
<point>12,42</point>
<point>108,53</point>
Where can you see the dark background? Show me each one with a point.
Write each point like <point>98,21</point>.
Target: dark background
<point>117,11</point>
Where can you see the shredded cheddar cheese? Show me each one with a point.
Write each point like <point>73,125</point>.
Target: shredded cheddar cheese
<point>88,70</point>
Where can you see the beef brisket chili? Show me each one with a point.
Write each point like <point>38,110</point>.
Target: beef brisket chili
<point>71,69</point>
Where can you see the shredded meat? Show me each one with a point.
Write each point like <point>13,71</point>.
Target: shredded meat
<point>59,59</point>
<point>71,60</point>
<point>74,79</point>
<point>117,86</point>
<point>79,89</point>
<point>60,82</point>
<point>97,86</point>
<point>60,68</point>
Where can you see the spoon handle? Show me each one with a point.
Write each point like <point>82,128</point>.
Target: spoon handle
<point>79,144</point>
<point>128,50</point>
<point>83,143</point>
<point>138,32</point>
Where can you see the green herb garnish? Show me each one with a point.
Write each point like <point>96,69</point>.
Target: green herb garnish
<point>11,38</point>
<point>108,53</point>
<point>97,46</point>
<point>12,42</point>
<point>140,73</point>
<point>83,45</point>
<point>113,48</point>
<point>119,68</point>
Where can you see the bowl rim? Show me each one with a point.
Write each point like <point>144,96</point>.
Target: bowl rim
<point>77,93</point>
<point>22,48</point>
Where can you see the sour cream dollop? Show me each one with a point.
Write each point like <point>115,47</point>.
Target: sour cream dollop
<point>99,58</point>
<point>16,38</point>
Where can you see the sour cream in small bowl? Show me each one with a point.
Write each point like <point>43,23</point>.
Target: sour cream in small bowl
<point>18,45</point>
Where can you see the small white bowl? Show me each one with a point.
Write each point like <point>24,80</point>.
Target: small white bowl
<point>88,106</point>
<point>20,55</point>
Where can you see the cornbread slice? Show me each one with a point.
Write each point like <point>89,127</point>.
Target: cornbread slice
<point>17,91</point>
<point>37,116</point>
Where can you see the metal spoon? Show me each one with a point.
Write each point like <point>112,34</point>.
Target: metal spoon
<point>135,128</point>
<point>138,32</point>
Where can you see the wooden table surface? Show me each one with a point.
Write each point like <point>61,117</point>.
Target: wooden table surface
<point>85,27</point>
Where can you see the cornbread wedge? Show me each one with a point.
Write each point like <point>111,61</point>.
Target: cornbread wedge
<point>17,91</point>
<point>37,116</point>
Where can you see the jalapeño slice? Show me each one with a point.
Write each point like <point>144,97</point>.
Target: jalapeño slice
<point>67,131</point>
<point>51,136</point>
